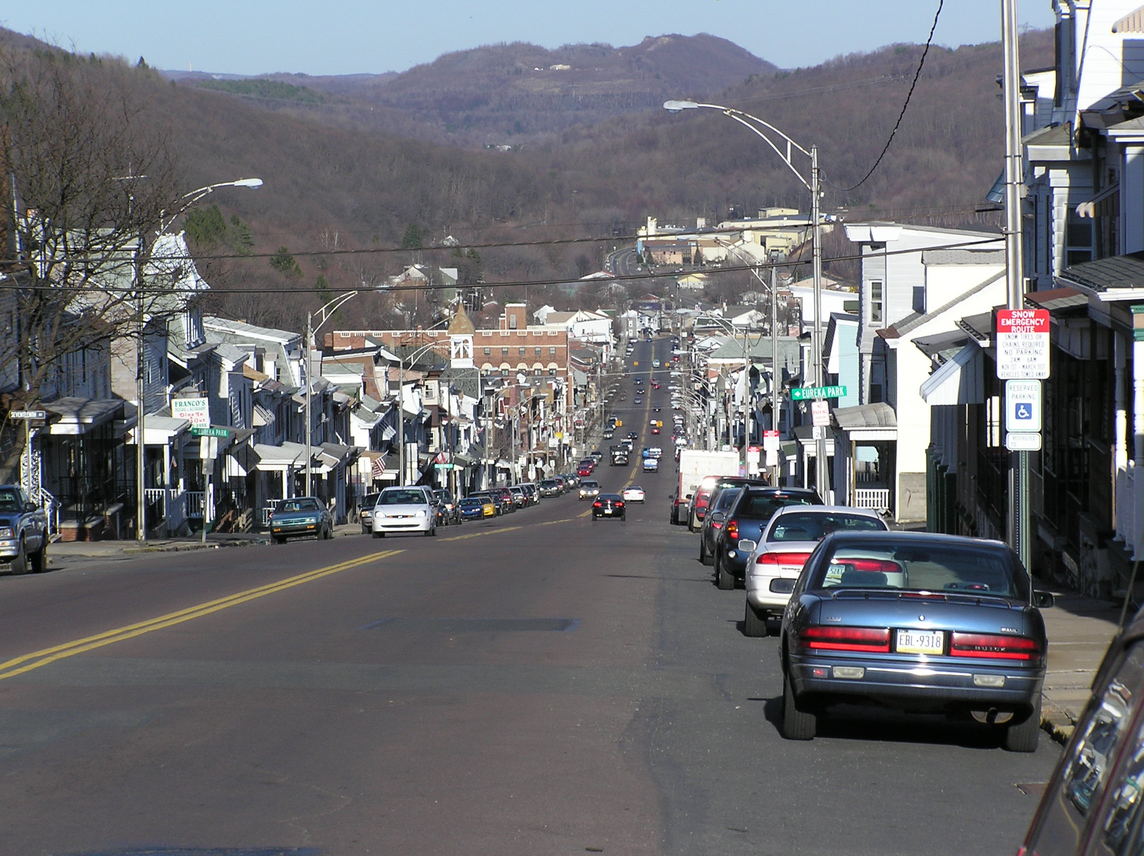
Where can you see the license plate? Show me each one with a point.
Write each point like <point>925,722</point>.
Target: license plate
<point>921,641</point>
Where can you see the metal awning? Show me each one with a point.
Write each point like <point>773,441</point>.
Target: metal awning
<point>876,421</point>
<point>282,457</point>
<point>957,381</point>
<point>159,430</point>
<point>73,415</point>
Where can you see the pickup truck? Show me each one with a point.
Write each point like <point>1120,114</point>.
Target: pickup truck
<point>23,531</point>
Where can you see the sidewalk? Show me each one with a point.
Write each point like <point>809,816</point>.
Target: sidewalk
<point>128,549</point>
<point>1079,627</point>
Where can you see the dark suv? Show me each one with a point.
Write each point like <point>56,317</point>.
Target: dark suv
<point>746,520</point>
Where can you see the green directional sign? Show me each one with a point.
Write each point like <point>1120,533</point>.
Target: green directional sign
<point>803,393</point>
<point>210,432</point>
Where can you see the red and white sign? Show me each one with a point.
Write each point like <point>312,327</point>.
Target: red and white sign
<point>1022,344</point>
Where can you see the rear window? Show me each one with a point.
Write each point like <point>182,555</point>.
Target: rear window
<point>762,506</point>
<point>943,568</point>
<point>815,527</point>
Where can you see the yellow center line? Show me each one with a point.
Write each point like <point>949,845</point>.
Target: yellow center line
<point>483,534</point>
<point>38,659</point>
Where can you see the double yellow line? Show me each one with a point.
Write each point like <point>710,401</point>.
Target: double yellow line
<point>39,659</point>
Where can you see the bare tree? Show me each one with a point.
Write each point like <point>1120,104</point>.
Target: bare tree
<point>89,181</point>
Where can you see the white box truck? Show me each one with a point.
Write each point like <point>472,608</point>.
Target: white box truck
<point>694,465</point>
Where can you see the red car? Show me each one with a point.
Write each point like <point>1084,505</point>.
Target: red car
<point>584,471</point>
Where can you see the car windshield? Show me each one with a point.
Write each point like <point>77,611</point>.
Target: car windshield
<point>401,497</point>
<point>468,502</point>
<point>932,568</point>
<point>291,505</point>
<point>9,501</point>
<point>809,526</point>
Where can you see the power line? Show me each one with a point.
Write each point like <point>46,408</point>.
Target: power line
<point>10,284</point>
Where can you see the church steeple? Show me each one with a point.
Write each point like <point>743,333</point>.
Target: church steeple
<point>461,332</point>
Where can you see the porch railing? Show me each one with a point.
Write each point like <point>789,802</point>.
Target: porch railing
<point>166,505</point>
<point>194,503</point>
<point>1129,506</point>
<point>877,499</point>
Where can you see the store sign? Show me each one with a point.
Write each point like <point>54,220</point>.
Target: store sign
<point>194,410</point>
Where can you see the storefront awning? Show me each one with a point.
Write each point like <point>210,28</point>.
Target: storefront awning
<point>957,381</point>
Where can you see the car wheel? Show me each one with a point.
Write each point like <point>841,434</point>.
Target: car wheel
<point>378,534</point>
<point>724,579</point>
<point>20,560</point>
<point>798,723</point>
<point>754,623</point>
<point>704,558</point>
<point>430,531</point>
<point>40,558</point>
<point>278,539</point>
<point>1023,736</point>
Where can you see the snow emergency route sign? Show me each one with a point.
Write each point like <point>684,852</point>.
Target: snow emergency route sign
<point>1022,344</point>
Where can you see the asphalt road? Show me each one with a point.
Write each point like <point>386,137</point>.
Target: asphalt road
<point>536,684</point>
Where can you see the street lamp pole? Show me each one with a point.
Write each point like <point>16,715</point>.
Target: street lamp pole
<point>762,129</point>
<point>401,404</point>
<point>325,313</point>
<point>186,201</point>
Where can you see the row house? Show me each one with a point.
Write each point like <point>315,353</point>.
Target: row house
<point>1083,255</point>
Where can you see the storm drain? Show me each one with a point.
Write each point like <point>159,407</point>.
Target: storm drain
<point>478,625</point>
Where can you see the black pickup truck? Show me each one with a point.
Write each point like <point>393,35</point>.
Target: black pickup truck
<point>23,531</point>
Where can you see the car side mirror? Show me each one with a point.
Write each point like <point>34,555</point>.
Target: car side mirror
<point>718,517</point>
<point>1043,599</point>
<point>747,545</point>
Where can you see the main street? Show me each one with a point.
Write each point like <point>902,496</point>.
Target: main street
<point>535,684</point>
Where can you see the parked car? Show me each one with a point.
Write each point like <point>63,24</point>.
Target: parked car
<point>915,621</point>
<point>721,501</point>
<point>477,507</point>
<point>700,498</point>
<point>632,493</point>
<point>745,521</point>
<point>608,505</point>
<point>589,489</point>
<point>404,509</point>
<point>365,512</point>
<point>504,499</point>
<point>551,487</point>
<point>531,493</point>
<point>519,496</point>
<point>300,517</point>
<point>1093,802</point>
<point>783,548</point>
<point>23,531</point>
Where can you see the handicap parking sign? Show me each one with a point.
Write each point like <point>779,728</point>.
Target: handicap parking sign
<point>1022,405</point>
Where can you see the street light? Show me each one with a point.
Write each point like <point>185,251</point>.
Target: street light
<point>786,151</point>
<point>325,312</point>
<point>186,201</point>
<point>401,400</point>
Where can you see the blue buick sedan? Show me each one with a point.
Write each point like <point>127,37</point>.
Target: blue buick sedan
<point>915,621</point>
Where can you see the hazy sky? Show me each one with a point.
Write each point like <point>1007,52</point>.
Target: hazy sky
<point>374,36</point>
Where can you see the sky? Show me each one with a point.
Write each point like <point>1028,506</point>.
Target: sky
<point>251,37</point>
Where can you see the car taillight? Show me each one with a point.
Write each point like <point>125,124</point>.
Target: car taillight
<point>993,646</point>
<point>597,504</point>
<point>878,566</point>
<point>732,530</point>
<point>821,638</point>
<point>619,504</point>
<point>782,559</point>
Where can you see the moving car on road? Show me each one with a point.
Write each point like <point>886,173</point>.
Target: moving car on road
<point>589,489</point>
<point>365,512</point>
<point>404,509</point>
<point>632,493</point>
<point>300,517</point>
<point>608,505</point>
<point>915,621</point>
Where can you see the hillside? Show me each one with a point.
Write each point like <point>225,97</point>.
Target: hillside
<point>510,94</point>
<point>348,178</point>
